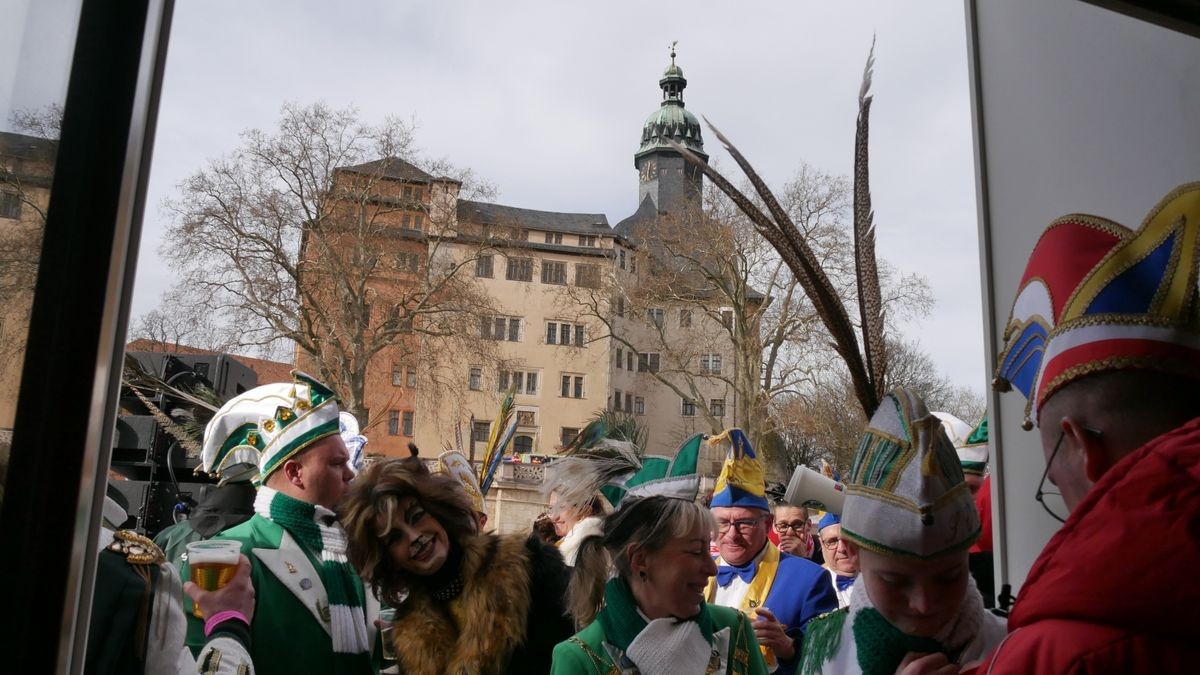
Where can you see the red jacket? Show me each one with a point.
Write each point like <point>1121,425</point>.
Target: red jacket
<point>1117,589</point>
<point>983,504</point>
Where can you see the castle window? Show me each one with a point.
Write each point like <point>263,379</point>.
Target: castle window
<point>554,272</point>
<point>483,266</point>
<point>717,407</point>
<point>10,205</point>
<point>587,276</point>
<point>519,269</point>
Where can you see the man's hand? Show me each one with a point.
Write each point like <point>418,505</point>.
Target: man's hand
<point>237,595</point>
<point>773,635</point>
<point>916,663</point>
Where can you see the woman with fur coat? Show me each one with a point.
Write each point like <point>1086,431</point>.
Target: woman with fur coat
<point>467,603</point>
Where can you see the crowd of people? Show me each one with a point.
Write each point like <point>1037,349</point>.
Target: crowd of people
<point>1104,342</point>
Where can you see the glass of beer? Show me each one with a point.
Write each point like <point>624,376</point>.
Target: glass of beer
<point>767,653</point>
<point>386,616</point>
<point>211,564</point>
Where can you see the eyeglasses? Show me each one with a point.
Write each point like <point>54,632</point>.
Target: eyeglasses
<point>1041,494</point>
<point>744,526</point>
<point>798,526</point>
<point>831,543</point>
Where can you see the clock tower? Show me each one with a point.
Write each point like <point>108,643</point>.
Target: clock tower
<point>663,174</point>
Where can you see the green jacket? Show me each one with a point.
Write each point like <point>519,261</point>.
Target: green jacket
<point>592,652</point>
<point>290,630</point>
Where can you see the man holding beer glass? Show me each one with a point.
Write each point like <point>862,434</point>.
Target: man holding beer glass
<point>779,592</point>
<point>138,622</point>
<point>312,614</point>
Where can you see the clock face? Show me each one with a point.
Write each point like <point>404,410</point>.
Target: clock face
<point>649,170</point>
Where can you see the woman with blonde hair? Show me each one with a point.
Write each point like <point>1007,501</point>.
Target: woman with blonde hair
<point>654,618</point>
<point>467,603</point>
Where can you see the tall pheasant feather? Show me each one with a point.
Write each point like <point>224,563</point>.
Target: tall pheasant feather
<point>870,298</point>
<point>868,367</point>
<point>498,440</point>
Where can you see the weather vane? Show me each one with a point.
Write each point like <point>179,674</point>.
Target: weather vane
<point>673,43</point>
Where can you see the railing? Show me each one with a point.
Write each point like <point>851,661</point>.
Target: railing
<point>527,474</point>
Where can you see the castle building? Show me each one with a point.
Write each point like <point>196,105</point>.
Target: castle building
<point>569,327</point>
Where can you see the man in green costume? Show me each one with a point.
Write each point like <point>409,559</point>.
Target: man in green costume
<point>312,610</point>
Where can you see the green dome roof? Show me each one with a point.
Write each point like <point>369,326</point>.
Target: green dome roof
<point>674,122</point>
<point>671,120</point>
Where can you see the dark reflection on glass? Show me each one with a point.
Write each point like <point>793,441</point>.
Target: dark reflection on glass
<point>36,43</point>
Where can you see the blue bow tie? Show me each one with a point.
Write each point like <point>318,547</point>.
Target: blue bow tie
<point>844,582</point>
<point>725,573</point>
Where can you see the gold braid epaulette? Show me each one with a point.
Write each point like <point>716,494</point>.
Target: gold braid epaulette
<point>142,554</point>
<point>138,550</point>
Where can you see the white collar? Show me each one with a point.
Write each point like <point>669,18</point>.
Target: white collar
<point>568,546</point>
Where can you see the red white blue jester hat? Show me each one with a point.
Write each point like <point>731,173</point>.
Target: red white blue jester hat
<point>1097,296</point>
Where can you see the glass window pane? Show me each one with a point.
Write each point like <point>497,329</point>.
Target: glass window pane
<point>37,40</point>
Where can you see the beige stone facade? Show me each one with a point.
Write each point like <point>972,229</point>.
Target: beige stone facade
<point>26,170</point>
<point>562,360</point>
<point>570,329</point>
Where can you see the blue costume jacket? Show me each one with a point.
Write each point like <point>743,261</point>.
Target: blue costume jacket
<point>801,591</point>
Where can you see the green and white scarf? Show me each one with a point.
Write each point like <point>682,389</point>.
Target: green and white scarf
<point>879,647</point>
<point>317,528</point>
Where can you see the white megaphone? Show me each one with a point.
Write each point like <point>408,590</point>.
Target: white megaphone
<point>815,489</point>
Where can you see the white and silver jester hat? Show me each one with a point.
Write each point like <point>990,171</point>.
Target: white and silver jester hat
<point>354,440</point>
<point>905,494</point>
<point>265,426</point>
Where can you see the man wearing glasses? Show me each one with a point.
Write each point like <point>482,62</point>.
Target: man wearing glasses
<point>840,560</point>
<point>1104,342</point>
<point>793,529</point>
<point>780,592</point>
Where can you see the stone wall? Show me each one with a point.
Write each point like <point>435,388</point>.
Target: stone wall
<point>515,499</point>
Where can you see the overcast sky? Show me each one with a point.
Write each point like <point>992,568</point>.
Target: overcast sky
<point>547,100</point>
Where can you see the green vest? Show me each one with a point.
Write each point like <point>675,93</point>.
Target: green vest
<point>289,632</point>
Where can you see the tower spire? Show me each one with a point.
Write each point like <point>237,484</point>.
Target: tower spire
<point>673,82</point>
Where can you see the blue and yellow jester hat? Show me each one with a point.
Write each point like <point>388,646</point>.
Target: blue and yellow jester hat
<point>266,426</point>
<point>1097,297</point>
<point>741,482</point>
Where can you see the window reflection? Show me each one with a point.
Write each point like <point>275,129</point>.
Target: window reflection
<point>37,40</point>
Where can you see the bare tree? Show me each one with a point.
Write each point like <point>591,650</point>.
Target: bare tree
<point>824,423</point>
<point>725,316</point>
<point>182,320</point>
<point>335,236</point>
<point>44,122</point>
<point>913,368</point>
